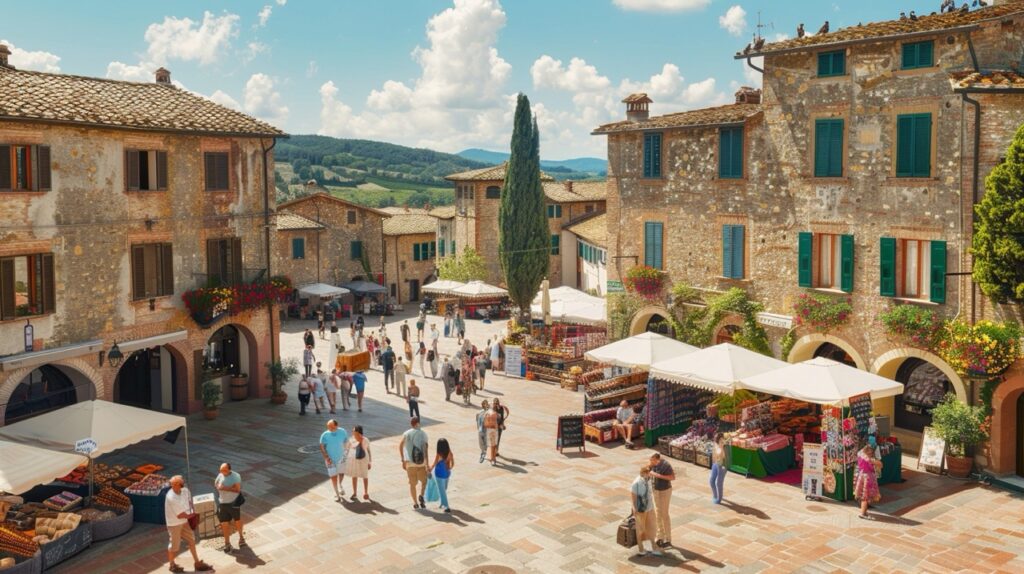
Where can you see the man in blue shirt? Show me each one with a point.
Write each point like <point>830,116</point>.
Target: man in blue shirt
<point>333,444</point>
<point>229,486</point>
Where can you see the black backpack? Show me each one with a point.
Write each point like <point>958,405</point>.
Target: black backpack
<point>430,355</point>
<point>417,455</point>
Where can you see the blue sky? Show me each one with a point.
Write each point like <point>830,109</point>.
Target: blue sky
<point>432,73</point>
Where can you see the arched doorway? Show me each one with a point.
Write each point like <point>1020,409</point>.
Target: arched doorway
<point>836,353</point>
<point>1008,423</point>
<point>924,386</point>
<point>45,389</point>
<point>650,318</point>
<point>226,352</point>
<point>148,379</point>
<point>822,345</point>
<point>727,334</point>
<point>658,324</point>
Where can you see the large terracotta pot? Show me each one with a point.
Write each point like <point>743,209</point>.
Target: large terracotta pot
<point>210,414</point>
<point>959,466</point>
<point>279,398</point>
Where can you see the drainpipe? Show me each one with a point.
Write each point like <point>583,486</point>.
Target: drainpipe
<point>751,64</point>
<point>266,239</point>
<point>975,164</point>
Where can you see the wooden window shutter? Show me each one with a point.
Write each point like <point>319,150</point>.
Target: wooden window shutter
<point>355,250</point>
<point>648,165</point>
<point>737,152</point>
<point>655,159</point>
<point>805,254</point>
<point>922,145</point>
<point>433,249</point>
<point>209,169</point>
<point>924,54</point>
<point>724,152</point>
<point>49,294</point>
<point>846,263</point>
<point>7,301</point>
<point>937,291</point>
<point>835,149</point>
<point>44,180</point>
<point>161,170</point>
<point>236,260</point>
<point>5,167</point>
<point>822,133</point>
<point>904,146</point>
<point>131,166</point>
<point>727,251</point>
<point>909,59</point>
<point>213,270</point>
<point>415,251</point>
<point>166,269</point>
<point>738,244</point>
<point>138,271</point>
<point>298,248</point>
<point>887,266</point>
<point>224,170</point>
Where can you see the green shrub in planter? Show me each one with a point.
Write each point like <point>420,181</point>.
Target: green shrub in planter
<point>960,425</point>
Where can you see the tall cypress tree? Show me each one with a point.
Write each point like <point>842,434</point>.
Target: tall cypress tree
<point>524,245</point>
<point>998,243</point>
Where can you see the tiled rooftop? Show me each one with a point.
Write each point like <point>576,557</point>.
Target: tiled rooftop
<point>897,27</point>
<point>581,191</point>
<point>728,114</point>
<point>411,223</point>
<point>994,80</point>
<point>324,196</point>
<point>288,221</point>
<point>593,230</point>
<point>61,98</point>
<point>493,173</point>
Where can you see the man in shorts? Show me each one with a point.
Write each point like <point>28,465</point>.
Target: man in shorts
<point>332,445</point>
<point>625,417</point>
<point>491,429</point>
<point>228,485</point>
<point>415,450</point>
<point>177,510</point>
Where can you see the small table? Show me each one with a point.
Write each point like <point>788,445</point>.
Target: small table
<point>758,463</point>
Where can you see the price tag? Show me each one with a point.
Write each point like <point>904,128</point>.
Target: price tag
<point>85,446</point>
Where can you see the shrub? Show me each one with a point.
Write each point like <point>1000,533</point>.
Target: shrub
<point>916,325</point>
<point>960,425</point>
<point>821,312</point>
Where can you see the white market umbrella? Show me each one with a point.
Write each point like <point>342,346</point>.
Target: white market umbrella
<point>479,289</point>
<point>822,381</point>
<point>719,368</point>
<point>442,286</point>
<point>576,312</point>
<point>25,467</point>
<point>322,290</point>
<point>566,293</point>
<point>641,350</point>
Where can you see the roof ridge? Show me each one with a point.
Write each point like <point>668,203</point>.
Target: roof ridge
<point>96,79</point>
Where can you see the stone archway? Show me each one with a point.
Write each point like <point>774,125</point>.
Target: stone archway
<point>86,382</point>
<point>153,378</point>
<point>1007,450</point>
<point>642,317</point>
<point>887,365</point>
<point>805,347</point>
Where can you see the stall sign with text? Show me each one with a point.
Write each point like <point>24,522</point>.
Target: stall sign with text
<point>814,467</point>
<point>85,446</point>
<point>513,361</point>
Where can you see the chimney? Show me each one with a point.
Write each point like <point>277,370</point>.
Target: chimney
<point>4,53</point>
<point>163,76</point>
<point>636,107</point>
<point>748,95</point>
<point>568,185</point>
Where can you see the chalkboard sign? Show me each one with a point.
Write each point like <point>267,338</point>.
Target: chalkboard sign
<point>933,451</point>
<point>570,432</point>
<point>513,361</point>
<point>66,546</point>
<point>860,410</point>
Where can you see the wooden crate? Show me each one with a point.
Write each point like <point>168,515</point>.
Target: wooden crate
<point>597,435</point>
<point>703,459</point>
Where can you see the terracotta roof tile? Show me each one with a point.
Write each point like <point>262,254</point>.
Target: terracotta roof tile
<point>288,221</point>
<point>990,80</point>
<point>324,196</point>
<point>891,28</point>
<point>410,224</point>
<point>493,173</point>
<point>593,230</point>
<point>70,99</point>
<point>728,114</point>
<point>581,191</point>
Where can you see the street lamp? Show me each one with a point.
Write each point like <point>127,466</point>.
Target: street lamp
<point>115,356</point>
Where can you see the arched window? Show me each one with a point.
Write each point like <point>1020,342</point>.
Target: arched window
<point>45,389</point>
<point>726,334</point>
<point>836,353</point>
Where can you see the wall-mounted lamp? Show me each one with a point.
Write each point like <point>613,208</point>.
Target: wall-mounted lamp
<point>152,304</point>
<point>114,356</point>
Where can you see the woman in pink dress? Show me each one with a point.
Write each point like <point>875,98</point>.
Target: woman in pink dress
<point>865,487</point>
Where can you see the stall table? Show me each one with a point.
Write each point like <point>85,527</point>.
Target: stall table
<point>892,467</point>
<point>758,463</point>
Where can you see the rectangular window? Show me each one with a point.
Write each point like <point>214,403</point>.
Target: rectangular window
<point>921,270</point>
<point>145,170</point>
<point>588,208</point>
<point>355,250</point>
<point>24,167</point>
<point>733,251</point>
<point>424,251</point>
<point>217,172</point>
<point>652,155</point>
<point>415,251</point>
<point>828,148</point>
<point>554,211</point>
<point>224,261</point>
<point>832,64</point>
<point>453,247</point>
<point>653,238</point>
<point>493,192</point>
<point>350,217</point>
<point>298,248</point>
<point>152,271</point>
<point>913,145</point>
<point>440,247</point>
<point>918,55</point>
<point>825,260</point>
<point>730,153</point>
<point>26,286</point>
<point>555,244</point>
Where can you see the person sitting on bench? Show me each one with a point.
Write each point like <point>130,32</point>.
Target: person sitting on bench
<point>625,417</point>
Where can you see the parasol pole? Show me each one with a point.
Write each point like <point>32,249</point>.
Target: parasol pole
<point>188,464</point>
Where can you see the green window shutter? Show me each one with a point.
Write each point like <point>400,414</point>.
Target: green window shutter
<point>724,152</point>
<point>415,251</point>
<point>846,263</point>
<point>832,63</point>
<point>298,248</point>
<point>824,64</point>
<point>925,53</point>
<point>737,152</point>
<point>727,251</point>
<point>887,266</point>
<point>922,145</point>
<point>647,155</point>
<point>453,247</point>
<point>355,250</point>
<point>555,244</point>
<point>433,249</point>
<point>937,289</point>
<point>904,146</point>
<point>579,249</point>
<point>835,149</point>
<point>909,59</point>
<point>918,55</point>
<point>656,155</point>
<point>653,244</point>
<point>440,247</point>
<point>822,132</point>
<point>738,243</point>
<point>550,212</point>
<point>805,247</point>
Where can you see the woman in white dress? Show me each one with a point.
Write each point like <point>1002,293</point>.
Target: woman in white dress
<point>359,462</point>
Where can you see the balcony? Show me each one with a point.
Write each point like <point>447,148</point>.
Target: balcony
<point>245,277</point>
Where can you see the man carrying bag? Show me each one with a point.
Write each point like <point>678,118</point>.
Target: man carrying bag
<point>228,485</point>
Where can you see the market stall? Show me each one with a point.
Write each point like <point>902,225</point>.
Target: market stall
<point>482,301</point>
<point>370,298</point>
<point>442,292</point>
<point>567,324</point>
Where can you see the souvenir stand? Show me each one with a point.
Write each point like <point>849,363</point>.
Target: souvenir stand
<point>89,502</point>
<point>370,298</point>
<point>568,327</point>
<point>845,394</point>
<point>482,301</point>
<point>442,291</point>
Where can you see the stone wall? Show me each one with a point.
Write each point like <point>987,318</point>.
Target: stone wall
<point>402,270</point>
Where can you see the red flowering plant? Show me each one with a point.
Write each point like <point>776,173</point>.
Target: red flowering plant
<point>209,303</point>
<point>913,324</point>
<point>645,281</point>
<point>821,312</point>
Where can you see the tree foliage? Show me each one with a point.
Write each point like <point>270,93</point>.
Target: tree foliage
<point>466,266</point>
<point>523,238</point>
<point>998,244</point>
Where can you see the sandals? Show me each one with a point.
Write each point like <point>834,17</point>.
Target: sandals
<point>175,568</point>
<point>366,497</point>
<point>242,543</point>
<point>203,567</point>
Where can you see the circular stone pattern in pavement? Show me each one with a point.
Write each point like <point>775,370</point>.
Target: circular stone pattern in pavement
<point>309,449</point>
<point>490,569</point>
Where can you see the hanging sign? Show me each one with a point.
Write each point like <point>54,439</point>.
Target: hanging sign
<point>614,286</point>
<point>85,446</point>
<point>29,337</point>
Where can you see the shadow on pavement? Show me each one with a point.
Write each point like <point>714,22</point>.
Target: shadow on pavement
<point>745,510</point>
<point>372,507</point>
<point>246,557</point>
<point>516,462</point>
<point>457,517</point>
<point>580,454</point>
<point>887,519</point>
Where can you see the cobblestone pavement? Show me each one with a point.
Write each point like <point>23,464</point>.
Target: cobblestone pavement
<point>539,511</point>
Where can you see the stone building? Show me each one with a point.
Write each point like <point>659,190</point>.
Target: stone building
<point>115,199</point>
<point>585,254</point>
<point>853,175</point>
<point>349,235</point>
<point>478,199</point>
<point>410,252</point>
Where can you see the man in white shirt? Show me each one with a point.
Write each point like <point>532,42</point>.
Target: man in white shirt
<point>623,425</point>
<point>177,510</point>
<point>415,453</point>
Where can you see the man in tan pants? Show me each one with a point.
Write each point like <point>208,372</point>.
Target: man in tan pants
<point>663,475</point>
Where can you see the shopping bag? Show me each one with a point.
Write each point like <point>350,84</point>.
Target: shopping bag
<point>432,494</point>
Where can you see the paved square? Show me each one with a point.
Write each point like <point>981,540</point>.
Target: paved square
<point>538,511</point>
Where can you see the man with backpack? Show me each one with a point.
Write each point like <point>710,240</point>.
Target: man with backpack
<point>387,362</point>
<point>415,450</point>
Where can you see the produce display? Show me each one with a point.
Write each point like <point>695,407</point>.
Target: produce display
<point>6,563</point>
<point>151,485</point>
<point>63,502</point>
<point>96,515</point>
<point>608,393</point>
<point>15,543</point>
<point>50,529</point>
<point>672,404</point>
<point>111,498</point>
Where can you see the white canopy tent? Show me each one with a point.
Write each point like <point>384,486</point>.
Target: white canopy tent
<point>719,368</point>
<point>25,467</point>
<point>442,286</point>
<point>566,293</point>
<point>322,290</point>
<point>573,312</point>
<point>822,381</point>
<point>641,350</point>
<point>478,289</point>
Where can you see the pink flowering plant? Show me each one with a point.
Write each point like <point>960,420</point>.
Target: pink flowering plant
<point>821,312</point>
<point>983,349</point>
<point>208,303</point>
<point>645,281</point>
<point>913,324</point>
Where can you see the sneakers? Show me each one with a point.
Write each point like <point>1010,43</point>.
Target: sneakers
<point>663,543</point>
<point>641,553</point>
<point>481,458</point>
<point>422,502</point>
<point>227,548</point>
<point>447,510</point>
<point>242,543</point>
<point>657,553</point>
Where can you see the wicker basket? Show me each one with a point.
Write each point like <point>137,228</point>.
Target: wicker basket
<point>663,446</point>
<point>114,527</point>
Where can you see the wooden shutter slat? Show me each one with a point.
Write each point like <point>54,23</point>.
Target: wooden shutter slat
<point>647,167</point>
<point>737,152</point>
<point>904,146</point>
<point>659,239</point>
<point>213,270</point>
<point>846,263</point>
<point>822,134</point>
<point>131,162</point>
<point>738,244</point>
<point>138,272</point>
<point>805,252</point>
<point>922,145</point>
<point>924,54</point>
<point>49,285</point>
<point>161,170</point>
<point>655,157</point>
<point>5,167</point>
<point>208,171</point>
<point>835,150</point>
<point>7,299</point>
<point>727,251</point>
<point>166,269</point>
<point>909,59</point>
<point>43,171</point>
<point>236,260</point>
<point>937,290</point>
<point>887,266</point>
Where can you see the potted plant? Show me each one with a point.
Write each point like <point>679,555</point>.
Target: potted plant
<point>280,372</point>
<point>239,387</point>
<point>645,281</point>
<point>962,427</point>
<point>211,399</point>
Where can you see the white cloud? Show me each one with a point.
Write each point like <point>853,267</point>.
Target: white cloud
<point>225,100</point>
<point>578,76</point>
<point>39,61</point>
<point>143,72</point>
<point>753,77</point>
<point>264,15</point>
<point>734,20</point>
<point>263,101</point>
<point>187,40</point>
<point>661,5</point>
<point>282,2</point>
<point>312,69</point>
<point>253,49</point>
